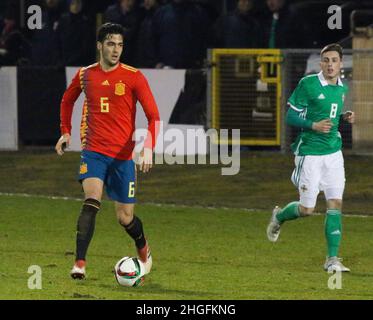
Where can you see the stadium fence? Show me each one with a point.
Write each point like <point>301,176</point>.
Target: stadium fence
<point>248,89</point>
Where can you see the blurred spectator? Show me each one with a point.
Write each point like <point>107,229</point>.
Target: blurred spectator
<point>238,29</point>
<point>14,48</point>
<point>145,49</point>
<point>8,26</point>
<point>93,7</point>
<point>8,22</point>
<point>76,36</point>
<point>284,27</point>
<point>180,34</point>
<point>44,42</point>
<point>213,8</point>
<point>127,14</point>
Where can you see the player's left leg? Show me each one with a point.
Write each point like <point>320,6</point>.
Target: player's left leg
<point>134,227</point>
<point>121,186</point>
<point>333,235</point>
<point>333,184</point>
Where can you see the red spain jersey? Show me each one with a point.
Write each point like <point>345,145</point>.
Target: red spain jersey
<point>109,111</point>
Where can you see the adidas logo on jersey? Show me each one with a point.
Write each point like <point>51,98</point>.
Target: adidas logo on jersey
<point>321,96</point>
<point>336,232</point>
<point>106,83</point>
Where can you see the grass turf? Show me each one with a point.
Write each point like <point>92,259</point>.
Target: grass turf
<point>198,254</point>
<point>263,181</point>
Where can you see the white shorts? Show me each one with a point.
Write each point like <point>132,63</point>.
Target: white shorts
<point>313,174</point>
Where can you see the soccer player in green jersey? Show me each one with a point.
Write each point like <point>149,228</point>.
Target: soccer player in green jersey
<point>316,106</point>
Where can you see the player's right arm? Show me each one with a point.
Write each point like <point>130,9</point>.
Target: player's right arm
<point>66,110</point>
<point>295,116</point>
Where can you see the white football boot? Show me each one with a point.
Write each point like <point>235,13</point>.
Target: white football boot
<point>273,229</point>
<point>335,264</point>
<point>145,257</point>
<point>78,271</point>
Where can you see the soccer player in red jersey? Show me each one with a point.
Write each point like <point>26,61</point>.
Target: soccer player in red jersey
<point>108,123</point>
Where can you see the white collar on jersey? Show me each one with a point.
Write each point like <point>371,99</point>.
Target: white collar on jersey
<point>325,83</point>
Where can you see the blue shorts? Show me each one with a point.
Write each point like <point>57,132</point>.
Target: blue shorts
<point>118,175</point>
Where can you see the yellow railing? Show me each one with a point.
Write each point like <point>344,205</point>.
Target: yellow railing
<point>246,94</point>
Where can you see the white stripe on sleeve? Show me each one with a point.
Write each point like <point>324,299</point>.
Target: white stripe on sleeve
<point>295,108</point>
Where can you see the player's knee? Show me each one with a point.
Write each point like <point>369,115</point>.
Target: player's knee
<point>92,188</point>
<point>305,212</point>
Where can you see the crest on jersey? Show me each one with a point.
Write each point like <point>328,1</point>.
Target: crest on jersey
<point>120,89</point>
<point>83,168</point>
<point>343,97</point>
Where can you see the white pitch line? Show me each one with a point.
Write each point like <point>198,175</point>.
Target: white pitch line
<point>27,195</point>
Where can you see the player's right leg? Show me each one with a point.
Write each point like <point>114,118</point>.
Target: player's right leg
<point>306,178</point>
<point>92,173</point>
<point>279,216</point>
<point>86,224</point>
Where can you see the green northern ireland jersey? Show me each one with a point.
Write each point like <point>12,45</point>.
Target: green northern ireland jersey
<point>317,100</point>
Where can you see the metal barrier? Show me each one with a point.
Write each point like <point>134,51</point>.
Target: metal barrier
<point>246,93</point>
<point>249,90</point>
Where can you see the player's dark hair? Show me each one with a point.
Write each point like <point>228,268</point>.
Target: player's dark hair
<point>109,28</point>
<point>333,47</point>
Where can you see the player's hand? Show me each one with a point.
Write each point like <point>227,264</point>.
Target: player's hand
<point>323,126</point>
<point>62,144</point>
<point>146,160</point>
<point>349,116</point>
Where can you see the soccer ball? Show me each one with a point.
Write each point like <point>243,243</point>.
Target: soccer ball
<point>129,272</point>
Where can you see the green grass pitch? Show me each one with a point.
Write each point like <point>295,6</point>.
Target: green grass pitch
<point>198,254</point>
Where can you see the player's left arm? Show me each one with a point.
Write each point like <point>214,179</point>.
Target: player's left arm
<point>145,96</point>
<point>348,115</point>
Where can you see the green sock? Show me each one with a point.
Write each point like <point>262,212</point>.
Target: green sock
<point>289,212</point>
<point>333,231</point>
